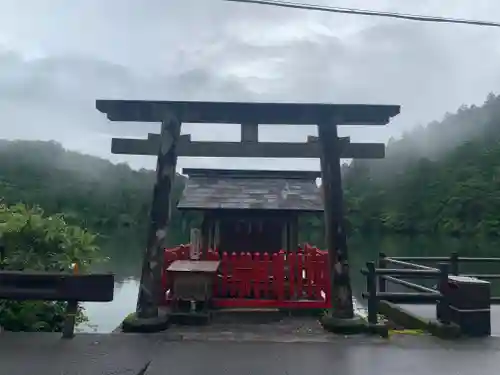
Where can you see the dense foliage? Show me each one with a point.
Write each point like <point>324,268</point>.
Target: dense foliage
<point>75,191</point>
<point>34,241</point>
<point>440,179</point>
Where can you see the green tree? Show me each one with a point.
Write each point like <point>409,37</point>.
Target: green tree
<point>91,192</point>
<point>443,178</point>
<point>36,242</point>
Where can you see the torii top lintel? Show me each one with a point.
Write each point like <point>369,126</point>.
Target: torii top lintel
<point>241,113</point>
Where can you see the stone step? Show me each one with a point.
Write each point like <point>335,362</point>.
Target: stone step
<point>247,315</point>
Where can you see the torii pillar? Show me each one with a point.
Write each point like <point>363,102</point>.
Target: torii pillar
<point>341,318</point>
<point>148,317</point>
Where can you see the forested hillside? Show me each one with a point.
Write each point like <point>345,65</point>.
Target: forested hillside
<point>444,178</point>
<point>90,191</point>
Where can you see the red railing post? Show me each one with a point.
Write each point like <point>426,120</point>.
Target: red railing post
<point>246,275</point>
<point>224,267</point>
<point>309,274</point>
<point>266,275</point>
<point>233,275</point>
<point>292,273</point>
<point>256,275</point>
<point>279,276</point>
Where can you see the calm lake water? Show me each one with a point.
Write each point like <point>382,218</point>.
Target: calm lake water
<point>125,263</point>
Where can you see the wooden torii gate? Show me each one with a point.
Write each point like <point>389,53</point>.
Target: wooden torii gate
<point>170,144</point>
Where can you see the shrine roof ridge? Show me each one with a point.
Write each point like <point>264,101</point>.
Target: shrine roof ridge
<point>247,112</point>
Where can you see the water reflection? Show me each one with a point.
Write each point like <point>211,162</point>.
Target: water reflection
<point>125,253</point>
<point>105,317</point>
<point>124,250</point>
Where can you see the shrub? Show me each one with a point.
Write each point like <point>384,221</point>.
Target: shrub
<point>36,242</point>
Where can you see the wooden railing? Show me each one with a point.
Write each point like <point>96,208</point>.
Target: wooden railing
<point>71,287</point>
<point>294,280</point>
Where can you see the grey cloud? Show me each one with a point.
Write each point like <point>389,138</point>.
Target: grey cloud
<point>212,50</point>
<point>54,99</point>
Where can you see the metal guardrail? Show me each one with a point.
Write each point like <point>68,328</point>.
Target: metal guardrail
<point>375,292</point>
<point>377,278</point>
<point>454,260</point>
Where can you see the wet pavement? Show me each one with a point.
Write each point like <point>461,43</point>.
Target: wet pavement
<point>46,354</point>
<point>216,350</point>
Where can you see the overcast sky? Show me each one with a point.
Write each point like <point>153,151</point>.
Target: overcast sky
<point>58,56</point>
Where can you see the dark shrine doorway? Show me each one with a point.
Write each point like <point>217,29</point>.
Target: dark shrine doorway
<point>250,235</point>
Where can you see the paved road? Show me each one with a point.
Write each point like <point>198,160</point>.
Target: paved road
<point>86,354</point>
<point>429,312</point>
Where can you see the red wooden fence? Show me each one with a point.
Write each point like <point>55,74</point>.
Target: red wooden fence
<point>293,280</point>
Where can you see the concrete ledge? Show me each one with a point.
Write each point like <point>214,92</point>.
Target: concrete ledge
<point>444,331</point>
<point>303,312</point>
<point>190,319</point>
<point>133,324</point>
<point>408,320</point>
<point>350,326</point>
<point>247,315</point>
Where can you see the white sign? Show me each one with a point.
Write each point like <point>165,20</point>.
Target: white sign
<point>195,248</point>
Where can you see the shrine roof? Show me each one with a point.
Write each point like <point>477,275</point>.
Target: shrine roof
<point>226,189</point>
